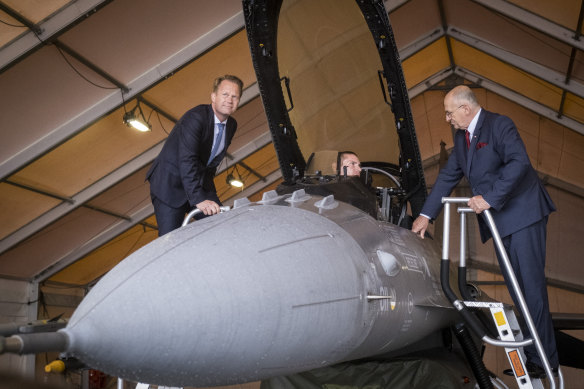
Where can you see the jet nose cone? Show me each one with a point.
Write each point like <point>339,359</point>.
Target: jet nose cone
<point>243,295</point>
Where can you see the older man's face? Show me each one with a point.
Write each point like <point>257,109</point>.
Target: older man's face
<point>352,163</point>
<point>456,114</point>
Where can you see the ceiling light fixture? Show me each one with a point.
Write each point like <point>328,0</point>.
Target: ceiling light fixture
<point>137,120</point>
<point>233,179</point>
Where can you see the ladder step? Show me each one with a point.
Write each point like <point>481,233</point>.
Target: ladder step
<point>483,304</point>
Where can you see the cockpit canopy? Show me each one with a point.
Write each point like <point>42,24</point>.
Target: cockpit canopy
<point>330,77</point>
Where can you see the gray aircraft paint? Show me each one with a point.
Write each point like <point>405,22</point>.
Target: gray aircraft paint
<point>261,291</point>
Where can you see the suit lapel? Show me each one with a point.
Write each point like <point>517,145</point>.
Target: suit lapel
<point>229,131</point>
<point>473,141</point>
<point>210,130</point>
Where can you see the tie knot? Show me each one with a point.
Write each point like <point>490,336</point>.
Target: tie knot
<point>221,126</point>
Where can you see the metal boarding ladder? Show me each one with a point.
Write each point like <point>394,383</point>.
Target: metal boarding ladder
<point>510,336</point>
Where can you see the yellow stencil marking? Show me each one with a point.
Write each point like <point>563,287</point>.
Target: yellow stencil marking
<point>500,318</point>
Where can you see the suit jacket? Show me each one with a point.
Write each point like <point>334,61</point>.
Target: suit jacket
<point>497,167</point>
<point>180,173</point>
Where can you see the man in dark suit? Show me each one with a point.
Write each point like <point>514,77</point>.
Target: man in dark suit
<point>489,152</point>
<point>181,177</point>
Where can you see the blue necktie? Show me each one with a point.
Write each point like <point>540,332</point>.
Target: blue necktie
<point>217,142</point>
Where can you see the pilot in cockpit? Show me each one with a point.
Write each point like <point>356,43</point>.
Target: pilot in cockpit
<point>330,163</point>
<point>350,161</point>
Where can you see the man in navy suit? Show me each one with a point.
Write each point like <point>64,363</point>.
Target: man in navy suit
<point>489,152</point>
<point>181,177</point>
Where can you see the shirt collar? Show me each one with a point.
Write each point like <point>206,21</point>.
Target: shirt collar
<point>473,122</point>
<point>217,121</point>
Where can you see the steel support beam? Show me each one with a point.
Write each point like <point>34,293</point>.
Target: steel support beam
<point>521,100</point>
<point>429,82</point>
<point>420,44</point>
<point>525,102</point>
<point>534,21</point>
<point>553,77</point>
<point>97,241</point>
<point>115,99</point>
<point>53,26</point>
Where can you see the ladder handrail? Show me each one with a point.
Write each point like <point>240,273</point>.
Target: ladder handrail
<point>447,201</point>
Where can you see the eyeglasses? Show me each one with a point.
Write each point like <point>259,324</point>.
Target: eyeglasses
<point>353,163</point>
<point>449,114</point>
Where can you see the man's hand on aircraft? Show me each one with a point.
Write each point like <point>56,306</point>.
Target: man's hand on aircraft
<point>478,204</point>
<point>420,225</point>
<point>209,207</point>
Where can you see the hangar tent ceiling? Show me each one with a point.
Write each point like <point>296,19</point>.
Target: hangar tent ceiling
<point>73,201</point>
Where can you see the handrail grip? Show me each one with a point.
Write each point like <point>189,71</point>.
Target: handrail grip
<point>196,211</point>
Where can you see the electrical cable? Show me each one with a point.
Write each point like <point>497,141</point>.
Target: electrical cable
<point>12,25</point>
<point>161,125</point>
<point>81,75</point>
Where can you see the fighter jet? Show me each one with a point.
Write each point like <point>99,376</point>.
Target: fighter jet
<point>319,282</point>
